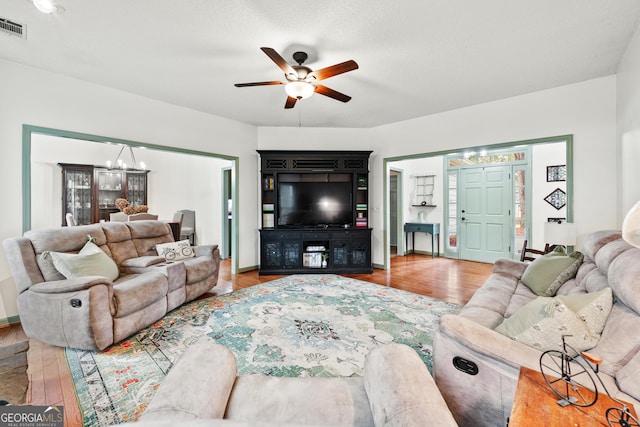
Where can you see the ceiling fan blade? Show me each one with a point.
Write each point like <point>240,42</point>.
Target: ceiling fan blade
<point>334,70</point>
<point>258,84</point>
<point>280,62</point>
<point>291,102</point>
<point>323,90</point>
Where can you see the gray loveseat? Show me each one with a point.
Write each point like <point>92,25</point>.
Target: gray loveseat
<point>93,312</point>
<point>202,389</point>
<point>485,397</point>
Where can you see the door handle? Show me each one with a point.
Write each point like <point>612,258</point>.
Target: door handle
<point>463,211</point>
<point>463,218</point>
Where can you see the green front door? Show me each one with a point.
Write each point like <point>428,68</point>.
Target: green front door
<point>484,217</point>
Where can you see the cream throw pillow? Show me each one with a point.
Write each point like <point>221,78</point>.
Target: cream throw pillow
<point>90,261</point>
<point>175,251</point>
<point>542,322</point>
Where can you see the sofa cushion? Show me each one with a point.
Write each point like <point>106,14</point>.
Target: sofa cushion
<point>199,268</point>
<point>627,377</point>
<point>619,342</point>
<point>547,273</point>
<point>175,251</point>
<point>542,322</point>
<point>147,234</point>
<point>624,277</point>
<point>119,241</point>
<point>142,261</point>
<point>62,239</point>
<point>90,261</point>
<point>596,240</point>
<point>134,292</point>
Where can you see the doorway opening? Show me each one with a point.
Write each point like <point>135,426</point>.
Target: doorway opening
<point>35,132</point>
<point>227,213</point>
<point>527,207</point>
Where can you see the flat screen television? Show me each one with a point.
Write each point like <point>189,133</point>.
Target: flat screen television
<point>312,204</point>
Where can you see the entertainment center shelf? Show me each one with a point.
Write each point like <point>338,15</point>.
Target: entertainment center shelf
<point>315,212</point>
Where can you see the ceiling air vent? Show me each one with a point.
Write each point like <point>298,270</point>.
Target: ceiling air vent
<point>13,28</point>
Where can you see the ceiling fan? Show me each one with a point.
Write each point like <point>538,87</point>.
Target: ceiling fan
<point>301,80</point>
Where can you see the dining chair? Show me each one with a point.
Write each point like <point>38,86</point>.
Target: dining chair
<point>71,222</point>
<point>529,254</point>
<point>142,216</point>
<point>177,218</point>
<point>118,217</point>
<point>188,230</point>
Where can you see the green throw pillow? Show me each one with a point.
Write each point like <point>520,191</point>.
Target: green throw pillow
<point>90,261</point>
<point>542,322</point>
<point>547,273</point>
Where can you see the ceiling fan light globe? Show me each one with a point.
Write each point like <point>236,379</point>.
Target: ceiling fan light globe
<point>299,90</point>
<point>46,6</point>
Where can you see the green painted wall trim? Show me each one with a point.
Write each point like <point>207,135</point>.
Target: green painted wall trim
<point>109,140</point>
<point>548,139</point>
<point>11,320</point>
<point>29,130</point>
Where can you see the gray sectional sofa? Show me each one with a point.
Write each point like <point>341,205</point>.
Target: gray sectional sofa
<point>94,311</point>
<point>203,389</point>
<point>476,368</point>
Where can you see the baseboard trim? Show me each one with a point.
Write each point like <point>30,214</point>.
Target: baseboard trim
<point>250,268</point>
<point>9,321</point>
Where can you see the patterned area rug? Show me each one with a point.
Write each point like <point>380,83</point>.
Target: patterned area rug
<point>303,325</point>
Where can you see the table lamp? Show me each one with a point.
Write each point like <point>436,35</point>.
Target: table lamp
<point>560,234</point>
<point>631,226</point>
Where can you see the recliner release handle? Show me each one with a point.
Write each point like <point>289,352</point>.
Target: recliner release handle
<point>466,366</point>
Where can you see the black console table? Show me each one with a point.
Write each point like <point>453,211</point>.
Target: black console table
<point>431,228</point>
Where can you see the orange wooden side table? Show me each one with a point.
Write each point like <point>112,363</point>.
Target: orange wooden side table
<point>535,405</point>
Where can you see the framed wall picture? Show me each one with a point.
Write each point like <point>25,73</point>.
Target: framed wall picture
<point>557,198</point>
<point>556,173</point>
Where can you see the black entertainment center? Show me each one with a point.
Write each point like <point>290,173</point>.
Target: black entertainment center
<point>315,212</point>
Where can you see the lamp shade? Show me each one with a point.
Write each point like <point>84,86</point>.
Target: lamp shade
<point>631,226</point>
<point>556,233</point>
<point>299,90</point>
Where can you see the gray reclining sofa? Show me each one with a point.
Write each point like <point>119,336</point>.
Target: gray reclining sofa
<point>93,312</point>
<point>476,368</point>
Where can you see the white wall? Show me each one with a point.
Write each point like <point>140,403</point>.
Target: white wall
<point>35,97</point>
<point>586,110</point>
<point>628,127</point>
<point>543,155</point>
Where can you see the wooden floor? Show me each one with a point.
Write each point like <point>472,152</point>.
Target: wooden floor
<point>440,278</point>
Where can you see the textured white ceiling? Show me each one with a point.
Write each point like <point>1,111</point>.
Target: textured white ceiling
<point>416,57</point>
